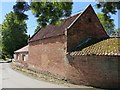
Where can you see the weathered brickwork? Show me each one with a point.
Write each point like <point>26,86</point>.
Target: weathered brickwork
<point>48,55</point>
<point>87,25</point>
<point>51,54</point>
<point>100,71</point>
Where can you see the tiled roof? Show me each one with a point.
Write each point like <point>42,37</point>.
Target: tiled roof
<point>109,46</point>
<point>53,30</point>
<point>23,49</point>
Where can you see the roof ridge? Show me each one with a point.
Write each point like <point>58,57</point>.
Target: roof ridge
<point>54,25</point>
<point>79,16</point>
<point>72,15</point>
<point>23,49</point>
<point>66,22</point>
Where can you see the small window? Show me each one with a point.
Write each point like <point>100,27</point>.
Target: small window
<point>23,56</point>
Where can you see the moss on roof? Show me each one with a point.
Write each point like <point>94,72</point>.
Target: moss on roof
<point>110,46</point>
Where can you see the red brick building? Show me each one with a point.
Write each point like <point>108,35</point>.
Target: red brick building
<point>49,46</point>
<point>52,47</point>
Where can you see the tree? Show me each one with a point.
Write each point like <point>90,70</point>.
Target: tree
<point>37,29</point>
<point>13,34</point>
<point>108,26</point>
<point>0,37</point>
<point>108,8</point>
<point>19,9</point>
<point>46,12</point>
<point>118,32</point>
<point>50,12</point>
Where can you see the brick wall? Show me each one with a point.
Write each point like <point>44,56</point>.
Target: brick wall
<point>88,25</point>
<point>99,71</point>
<point>48,55</point>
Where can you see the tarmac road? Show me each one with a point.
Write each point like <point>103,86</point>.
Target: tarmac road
<point>0,76</point>
<point>13,79</point>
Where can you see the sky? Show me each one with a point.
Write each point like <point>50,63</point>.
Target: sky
<point>6,7</point>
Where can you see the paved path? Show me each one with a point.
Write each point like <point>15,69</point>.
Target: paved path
<point>0,76</point>
<point>13,79</point>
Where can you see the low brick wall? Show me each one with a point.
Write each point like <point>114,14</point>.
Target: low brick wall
<point>99,71</point>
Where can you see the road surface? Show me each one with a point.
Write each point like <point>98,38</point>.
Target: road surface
<point>0,76</point>
<point>12,79</point>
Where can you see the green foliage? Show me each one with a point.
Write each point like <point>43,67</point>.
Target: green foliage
<point>50,12</point>
<point>19,9</point>
<point>13,34</point>
<point>3,56</point>
<point>37,29</point>
<point>45,12</point>
<point>0,37</point>
<point>108,8</point>
<point>108,26</point>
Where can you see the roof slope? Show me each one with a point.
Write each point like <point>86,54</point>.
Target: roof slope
<point>23,49</point>
<point>52,30</point>
<point>109,46</point>
<point>57,30</point>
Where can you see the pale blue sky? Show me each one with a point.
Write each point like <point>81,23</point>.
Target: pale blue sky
<point>6,7</point>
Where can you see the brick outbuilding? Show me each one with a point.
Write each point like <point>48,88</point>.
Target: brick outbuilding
<point>21,55</point>
<point>51,48</point>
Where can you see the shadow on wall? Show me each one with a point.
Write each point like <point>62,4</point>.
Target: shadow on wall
<point>97,71</point>
<point>85,43</point>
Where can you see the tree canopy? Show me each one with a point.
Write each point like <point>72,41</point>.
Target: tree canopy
<point>108,8</point>
<point>20,8</point>
<point>108,26</point>
<point>45,12</point>
<point>13,34</point>
<point>0,37</point>
<point>50,12</point>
